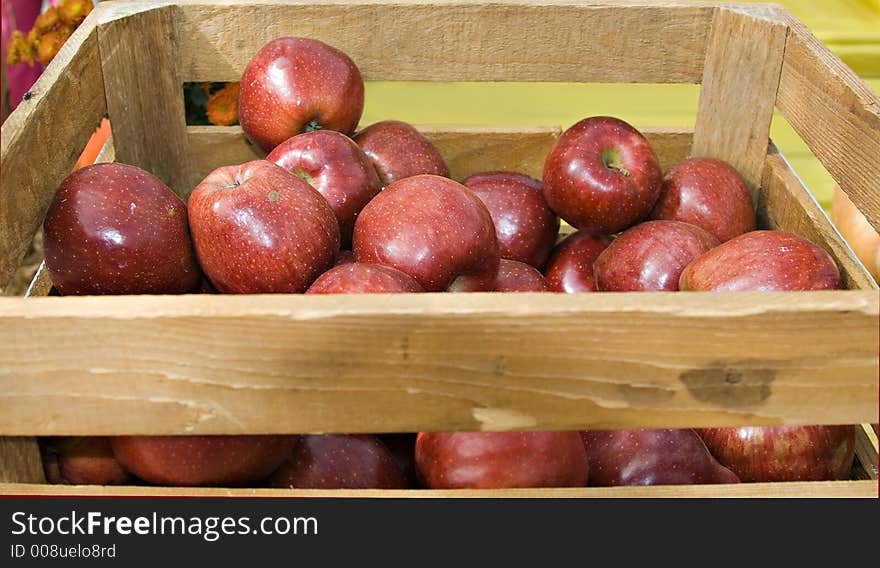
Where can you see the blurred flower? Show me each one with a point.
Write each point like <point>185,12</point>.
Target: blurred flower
<point>222,106</point>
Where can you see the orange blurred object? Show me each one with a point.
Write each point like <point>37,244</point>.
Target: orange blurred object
<point>861,236</point>
<point>93,148</point>
<point>73,12</point>
<point>222,106</point>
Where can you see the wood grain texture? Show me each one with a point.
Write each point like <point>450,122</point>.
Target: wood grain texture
<point>145,94</point>
<point>43,138</point>
<point>460,41</point>
<point>835,113</point>
<point>738,91</point>
<point>794,489</point>
<point>466,149</point>
<point>201,364</point>
<point>20,461</point>
<point>866,451</point>
<point>786,205</point>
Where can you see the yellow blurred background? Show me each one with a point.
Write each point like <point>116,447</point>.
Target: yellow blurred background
<point>851,28</point>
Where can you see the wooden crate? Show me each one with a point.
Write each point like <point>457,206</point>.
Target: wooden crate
<point>203,364</point>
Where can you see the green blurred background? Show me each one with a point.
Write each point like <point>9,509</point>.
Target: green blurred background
<point>851,28</point>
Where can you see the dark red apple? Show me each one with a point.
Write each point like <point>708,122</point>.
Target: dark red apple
<point>652,457</point>
<point>708,193</point>
<point>362,278</point>
<point>762,261</point>
<point>602,175</point>
<point>116,229</point>
<point>784,453</point>
<point>494,460</point>
<point>333,461</point>
<point>202,460</point>
<point>432,228</point>
<point>650,256</point>
<point>86,460</point>
<point>570,267</point>
<point>334,165</point>
<point>294,85</point>
<point>403,450</point>
<point>398,151</point>
<point>525,226</point>
<point>260,229</point>
<point>516,276</point>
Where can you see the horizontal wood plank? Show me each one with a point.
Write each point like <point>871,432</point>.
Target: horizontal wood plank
<point>381,363</point>
<point>466,149</point>
<point>43,138</point>
<point>835,113</point>
<point>509,40</point>
<point>794,489</point>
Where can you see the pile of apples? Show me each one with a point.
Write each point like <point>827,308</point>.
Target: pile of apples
<point>336,210</point>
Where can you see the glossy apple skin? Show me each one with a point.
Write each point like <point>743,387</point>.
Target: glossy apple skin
<point>116,229</point>
<point>334,461</point>
<point>334,165</point>
<point>398,150</point>
<point>516,276</point>
<point>570,266</point>
<point>708,193</point>
<point>602,176</point>
<point>495,460</point>
<point>524,224</point>
<point>293,85</point>
<point>260,229</point>
<point>650,257</point>
<point>202,460</point>
<point>363,278</point>
<point>432,228</point>
<point>762,261</point>
<point>784,453</point>
<point>86,460</point>
<point>652,457</point>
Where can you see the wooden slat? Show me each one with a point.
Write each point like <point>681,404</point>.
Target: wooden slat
<point>785,204</point>
<point>466,149</point>
<point>20,461</point>
<point>866,450</point>
<point>794,489</point>
<point>740,79</point>
<point>835,113</point>
<point>201,364</point>
<point>509,40</point>
<point>42,139</point>
<point>145,94</point>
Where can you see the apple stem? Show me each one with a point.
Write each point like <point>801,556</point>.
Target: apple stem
<point>612,161</point>
<point>313,125</point>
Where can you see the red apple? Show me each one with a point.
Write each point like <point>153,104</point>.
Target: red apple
<point>116,229</point>
<point>260,229</point>
<point>398,151</point>
<point>334,165</point>
<point>362,278</point>
<point>494,460</point>
<point>762,261</point>
<point>708,193</point>
<point>784,453</point>
<point>333,461</point>
<point>602,175</point>
<point>525,226</point>
<point>652,457</point>
<point>202,460</point>
<point>650,256</point>
<point>85,460</point>
<point>570,266</point>
<point>432,228</point>
<point>516,276</point>
<point>294,85</point>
